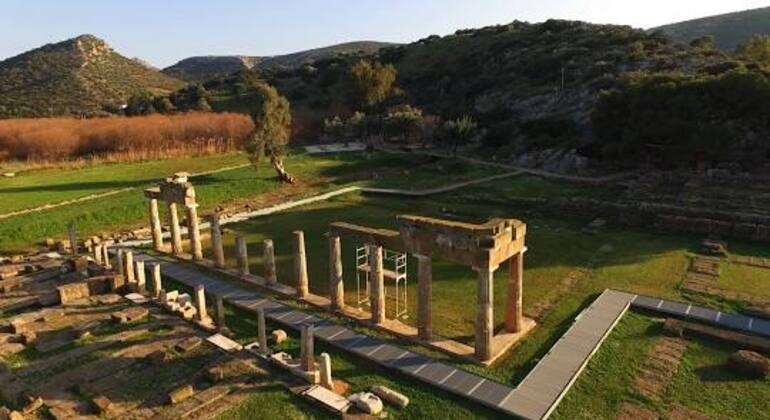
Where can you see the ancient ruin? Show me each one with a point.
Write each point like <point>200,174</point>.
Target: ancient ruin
<point>175,191</point>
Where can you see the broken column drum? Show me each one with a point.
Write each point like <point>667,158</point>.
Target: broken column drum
<point>268,253</point>
<point>307,357</point>
<point>217,247</point>
<point>243,256</point>
<point>300,264</point>
<point>200,303</point>
<point>174,191</point>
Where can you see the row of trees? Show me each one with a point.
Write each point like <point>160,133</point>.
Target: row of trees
<point>191,98</point>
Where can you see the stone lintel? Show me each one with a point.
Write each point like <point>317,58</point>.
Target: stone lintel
<point>385,238</point>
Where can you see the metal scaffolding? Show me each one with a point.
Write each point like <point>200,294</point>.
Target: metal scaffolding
<point>394,269</point>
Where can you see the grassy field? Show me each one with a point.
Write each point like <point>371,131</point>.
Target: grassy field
<point>128,209</point>
<point>702,383</point>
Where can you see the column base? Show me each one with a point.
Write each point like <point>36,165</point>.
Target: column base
<point>504,341</point>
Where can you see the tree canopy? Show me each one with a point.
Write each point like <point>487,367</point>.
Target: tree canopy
<point>372,83</point>
<point>271,113</point>
<point>756,49</point>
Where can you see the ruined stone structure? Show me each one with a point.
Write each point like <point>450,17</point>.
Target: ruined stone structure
<point>482,247</point>
<point>175,191</point>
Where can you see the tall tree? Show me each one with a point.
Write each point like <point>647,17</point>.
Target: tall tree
<point>372,83</point>
<point>756,49</point>
<point>271,113</point>
<point>458,131</point>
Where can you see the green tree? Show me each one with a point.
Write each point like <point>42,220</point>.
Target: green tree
<point>140,104</point>
<point>372,83</point>
<point>271,114</point>
<point>334,128</point>
<point>756,49</point>
<point>402,120</point>
<point>705,42</point>
<point>458,131</point>
<point>163,105</point>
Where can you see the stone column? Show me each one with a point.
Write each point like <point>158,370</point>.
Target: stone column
<point>216,241</point>
<point>268,254</point>
<point>73,239</point>
<point>377,284</point>
<point>141,279</point>
<point>128,267</point>
<point>220,312</point>
<point>484,313</point>
<point>424,292</point>
<point>300,264</point>
<point>243,255</point>
<point>194,232</point>
<point>336,284</point>
<point>98,254</point>
<point>157,284</point>
<point>106,257</point>
<point>307,358</point>
<point>200,303</point>
<point>155,227</point>
<point>261,331</point>
<point>326,372</point>
<point>514,318</point>
<point>120,264</point>
<point>176,233</point>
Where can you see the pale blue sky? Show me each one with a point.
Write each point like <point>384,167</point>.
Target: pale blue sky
<point>165,31</point>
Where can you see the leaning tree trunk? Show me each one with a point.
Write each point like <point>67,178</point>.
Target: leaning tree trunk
<point>284,176</point>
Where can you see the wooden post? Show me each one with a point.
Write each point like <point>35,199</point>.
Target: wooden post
<point>268,254</point>
<point>484,313</point>
<point>216,241</point>
<point>424,292</point>
<point>300,265</point>
<point>377,286</point>
<point>243,255</point>
<point>155,227</point>
<point>514,318</point>
<point>336,284</point>
<point>176,233</point>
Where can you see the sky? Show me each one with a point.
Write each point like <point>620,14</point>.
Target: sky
<point>163,32</point>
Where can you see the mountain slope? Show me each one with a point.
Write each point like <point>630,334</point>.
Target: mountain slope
<point>209,67</point>
<point>729,30</point>
<point>79,76</point>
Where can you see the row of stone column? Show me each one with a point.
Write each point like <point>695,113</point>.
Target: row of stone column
<point>193,229</point>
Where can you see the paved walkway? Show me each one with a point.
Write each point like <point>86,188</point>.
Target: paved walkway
<point>697,313</point>
<point>535,397</point>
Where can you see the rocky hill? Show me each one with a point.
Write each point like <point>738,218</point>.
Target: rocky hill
<point>79,76</point>
<point>209,67</point>
<point>729,30</point>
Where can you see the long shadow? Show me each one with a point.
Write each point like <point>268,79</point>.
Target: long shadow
<point>79,186</point>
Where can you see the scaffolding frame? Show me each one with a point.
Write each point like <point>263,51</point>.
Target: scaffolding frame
<point>394,269</point>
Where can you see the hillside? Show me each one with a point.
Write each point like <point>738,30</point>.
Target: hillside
<point>729,30</point>
<point>79,76</point>
<point>209,67</point>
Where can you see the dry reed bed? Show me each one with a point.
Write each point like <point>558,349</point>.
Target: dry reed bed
<point>122,138</point>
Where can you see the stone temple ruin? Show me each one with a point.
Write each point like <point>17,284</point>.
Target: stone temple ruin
<point>175,191</point>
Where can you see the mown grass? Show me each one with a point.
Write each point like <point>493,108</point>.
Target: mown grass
<point>745,279</point>
<point>703,381</point>
<point>128,209</point>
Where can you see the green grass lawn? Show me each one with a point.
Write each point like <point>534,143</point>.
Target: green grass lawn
<point>128,209</point>
<point>745,279</point>
<point>702,383</point>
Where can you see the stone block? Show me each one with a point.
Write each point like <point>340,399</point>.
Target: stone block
<point>10,349</point>
<point>180,394</point>
<point>188,312</point>
<point>278,336</point>
<point>105,407</point>
<point>184,298</point>
<point>189,344</point>
<point>130,315</point>
<point>99,285</point>
<point>32,405</point>
<point>367,402</point>
<point>158,357</point>
<point>116,283</point>
<point>71,293</point>
<point>750,363</point>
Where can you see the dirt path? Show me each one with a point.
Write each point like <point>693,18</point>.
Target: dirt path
<point>106,194</point>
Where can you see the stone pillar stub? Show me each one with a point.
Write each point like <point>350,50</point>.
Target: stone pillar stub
<point>268,254</point>
<point>242,255</point>
<point>98,254</point>
<point>336,284</point>
<point>119,263</point>
<point>194,232</point>
<point>307,358</point>
<point>155,227</point>
<point>157,283</point>
<point>176,233</point>
<point>424,296</point>
<point>106,257</point>
<point>484,313</point>
<point>220,306</point>
<point>261,331</point>
<point>326,371</point>
<point>200,303</point>
<point>141,276</point>
<point>514,317</point>
<point>377,286</point>
<point>300,264</point>
<point>73,237</point>
<point>128,267</point>
<point>217,247</point>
